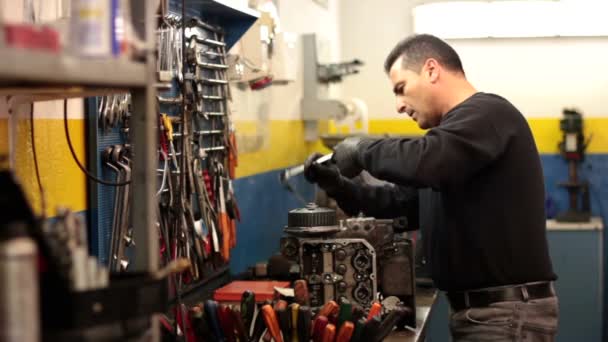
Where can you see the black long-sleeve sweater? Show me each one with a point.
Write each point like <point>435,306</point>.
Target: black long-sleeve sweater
<point>483,166</point>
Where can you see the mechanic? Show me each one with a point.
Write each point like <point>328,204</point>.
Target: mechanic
<point>486,242</point>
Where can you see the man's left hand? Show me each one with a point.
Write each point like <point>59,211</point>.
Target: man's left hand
<point>346,156</point>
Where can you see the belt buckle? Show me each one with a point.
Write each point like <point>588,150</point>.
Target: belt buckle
<point>524,293</point>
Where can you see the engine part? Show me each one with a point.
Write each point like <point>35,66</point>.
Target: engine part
<point>360,260</point>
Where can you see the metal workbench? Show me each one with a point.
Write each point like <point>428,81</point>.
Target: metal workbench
<point>425,299</point>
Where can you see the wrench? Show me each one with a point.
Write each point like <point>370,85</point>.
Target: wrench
<point>107,158</point>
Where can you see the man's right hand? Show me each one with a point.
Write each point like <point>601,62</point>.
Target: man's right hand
<point>327,176</point>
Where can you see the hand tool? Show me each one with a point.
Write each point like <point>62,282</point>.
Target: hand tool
<point>183,322</point>
<point>211,313</point>
<point>358,330</point>
<point>123,162</point>
<point>294,308</point>
<point>283,316</point>
<point>358,313</point>
<point>247,309</point>
<point>300,289</point>
<point>375,310</point>
<point>330,308</point>
<point>280,304</point>
<point>258,327</point>
<point>389,322</point>
<point>318,328</point>
<point>107,158</point>
<point>371,329</point>
<point>271,322</point>
<point>296,170</point>
<point>175,266</point>
<point>223,216</point>
<point>304,323</point>
<point>226,322</point>
<point>330,333</point>
<point>345,332</point>
<point>345,313</point>
<point>169,132</point>
<point>241,332</point>
<point>199,324</point>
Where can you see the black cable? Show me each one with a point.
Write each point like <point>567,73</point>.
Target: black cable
<point>41,189</point>
<point>87,173</point>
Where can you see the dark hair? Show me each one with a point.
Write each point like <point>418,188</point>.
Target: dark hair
<point>418,48</point>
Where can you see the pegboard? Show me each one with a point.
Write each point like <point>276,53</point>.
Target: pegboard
<point>102,206</point>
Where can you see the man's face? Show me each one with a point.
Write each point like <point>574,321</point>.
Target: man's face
<point>414,92</point>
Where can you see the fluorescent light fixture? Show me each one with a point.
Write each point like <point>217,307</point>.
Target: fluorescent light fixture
<point>502,19</point>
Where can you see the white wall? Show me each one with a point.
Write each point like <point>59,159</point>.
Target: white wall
<point>369,29</point>
<point>282,102</point>
<point>539,75</point>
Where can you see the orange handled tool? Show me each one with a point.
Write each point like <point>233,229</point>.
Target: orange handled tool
<point>280,305</point>
<point>329,334</point>
<point>318,328</point>
<point>272,323</point>
<point>374,311</point>
<point>330,308</point>
<point>233,160</point>
<point>346,332</point>
<point>300,289</point>
<point>224,222</point>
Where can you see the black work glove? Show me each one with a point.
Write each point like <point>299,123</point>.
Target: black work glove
<point>347,155</point>
<point>328,177</point>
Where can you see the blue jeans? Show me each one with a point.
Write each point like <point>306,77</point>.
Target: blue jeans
<point>531,321</point>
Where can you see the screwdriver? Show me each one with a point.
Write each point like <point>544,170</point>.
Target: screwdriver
<point>374,311</point>
<point>242,333</point>
<point>247,309</point>
<point>329,334</point>
<point>226,322</point>
<point>283,316</point>
<point>346,332</point>
<point>371,329</point>
<point>258,327</point>
<point>271,322</point>
<point>358,330</point>
<point>346,312</point>
<point>329,309</point>
<point>294,308</point>
<point>358,313</point>
<point>300,289</point>
<point>304,323</point>
<point>212,319</point>
<point>318,328</point>
<point>296,170</point>
<point>169,132</point>
<point>280,304</point>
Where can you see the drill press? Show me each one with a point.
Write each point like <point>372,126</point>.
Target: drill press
<point>572,148</point>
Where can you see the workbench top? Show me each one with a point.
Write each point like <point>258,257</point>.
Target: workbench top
<point>425,298</point>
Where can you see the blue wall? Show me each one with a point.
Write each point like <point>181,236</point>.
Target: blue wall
<point>264,203</point>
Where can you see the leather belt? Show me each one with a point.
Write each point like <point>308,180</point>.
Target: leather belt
<point>485,297</point>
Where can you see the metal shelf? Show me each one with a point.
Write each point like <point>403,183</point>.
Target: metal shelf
<point>21,68</point>
<point>234,19</point>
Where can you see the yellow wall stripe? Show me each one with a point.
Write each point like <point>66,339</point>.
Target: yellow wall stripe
<point>279,145</point>
<point>545,130</point>
<point>63,182</point>
<point>284,144</point>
